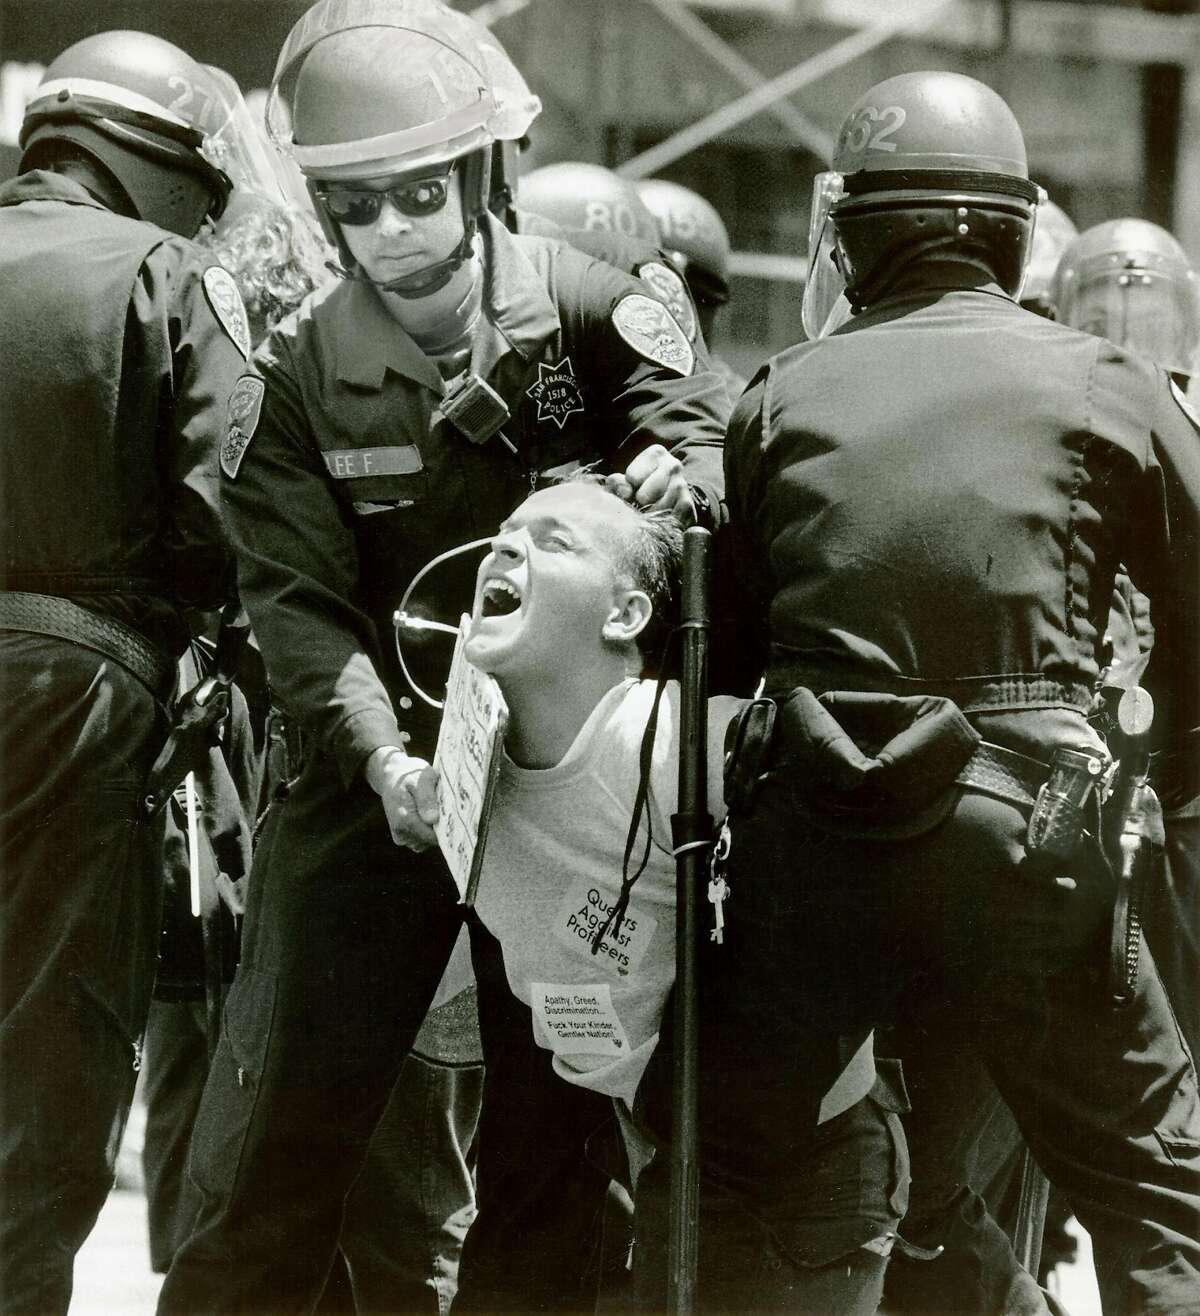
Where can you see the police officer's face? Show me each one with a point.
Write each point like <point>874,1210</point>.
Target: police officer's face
<point>395,244</point>
<point>549,594</point>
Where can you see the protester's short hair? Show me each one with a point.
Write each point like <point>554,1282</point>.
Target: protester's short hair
<point>651,560</point>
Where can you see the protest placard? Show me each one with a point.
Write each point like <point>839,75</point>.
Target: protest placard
<point>468,758</point>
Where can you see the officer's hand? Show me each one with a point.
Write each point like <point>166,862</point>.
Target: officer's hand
<point>407,787</point>
<point>655,478</point>
<point>233,894</point>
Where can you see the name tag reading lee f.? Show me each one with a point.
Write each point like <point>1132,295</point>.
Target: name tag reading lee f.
<point>356,463</point>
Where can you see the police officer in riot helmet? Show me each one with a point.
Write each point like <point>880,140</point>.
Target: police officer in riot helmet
<point>406,408</point>
<point>1052,235</point>
<point>600,213</point>
<point>931,500</point>
<point>586,198</point>
<point>695,237</point>
<point>121,110</point>
<point>121,343</point>
<point>1131,282</point>
<point>694,233</point>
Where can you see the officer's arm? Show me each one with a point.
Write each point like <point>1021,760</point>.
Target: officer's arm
<point>653,385</point>
<point>298,568</point>
<point>742,589</point>
<point>1163,553</point>
<point>169,305</point>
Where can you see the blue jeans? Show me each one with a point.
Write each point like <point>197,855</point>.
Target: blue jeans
<point>410,1208</point>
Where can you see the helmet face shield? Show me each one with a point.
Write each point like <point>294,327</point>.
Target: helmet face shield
<point>1053,233</point>
<point>436,85</point>
<point>1153,312</point>
<point>236,144</point>
<point>825,285</point>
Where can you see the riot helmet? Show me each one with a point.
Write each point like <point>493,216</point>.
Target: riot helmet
<point>135,105</point>
<point>1052,235</point>
<point>1131,282</point>
<point>406,89</point>
<point>693,235</point>
<point>586,198</point>
<point>926,165</point>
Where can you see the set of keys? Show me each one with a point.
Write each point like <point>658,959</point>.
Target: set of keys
<point>718,888</point>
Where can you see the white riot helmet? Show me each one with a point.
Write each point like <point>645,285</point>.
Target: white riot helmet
<point>369,89</point>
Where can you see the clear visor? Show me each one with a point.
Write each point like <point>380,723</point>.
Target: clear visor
<point>236,143</point>
<point>504,113</point>
<point>1051,235</point>
<point>1148,311</point>
<point>825,306</point>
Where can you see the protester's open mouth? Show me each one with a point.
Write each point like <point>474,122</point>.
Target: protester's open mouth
<point>500,598</point>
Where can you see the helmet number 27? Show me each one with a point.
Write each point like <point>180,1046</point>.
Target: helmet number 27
<point>871,127</point>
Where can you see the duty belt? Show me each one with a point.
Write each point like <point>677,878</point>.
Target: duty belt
<point>47,614</point>
<point>973,694</point>
<point>1004,773</point>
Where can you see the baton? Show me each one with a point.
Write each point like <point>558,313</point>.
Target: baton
<point>1031,1214</point>
<point>193,843</point>
<point>692,829</point>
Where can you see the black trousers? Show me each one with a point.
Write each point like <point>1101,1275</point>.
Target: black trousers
<point>967,1156</point>
<point>537,1244</point>
<point>1172,913</point>
<point>344,941</point>
<point>824,932</point>
<point>80,902</point>
<point>175,1065</point>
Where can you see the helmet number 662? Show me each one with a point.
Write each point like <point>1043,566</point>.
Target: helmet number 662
<point>871,128</point>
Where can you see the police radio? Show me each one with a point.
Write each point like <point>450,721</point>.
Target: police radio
<point>476,410</point>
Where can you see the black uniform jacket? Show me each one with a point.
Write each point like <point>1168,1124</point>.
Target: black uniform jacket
<point>115,379</point>
<point>935,500</point>
<point>353,480</point>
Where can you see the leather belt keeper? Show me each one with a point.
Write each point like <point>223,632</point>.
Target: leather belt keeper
<point>47,614</point>
<point>1002,772</point>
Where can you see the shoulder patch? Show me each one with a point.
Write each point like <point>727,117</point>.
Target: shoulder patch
<point>650,329</point>
<point>1184,405</point>
<point>672,289</point>
<point>226,303</point>
<point>245,404</point>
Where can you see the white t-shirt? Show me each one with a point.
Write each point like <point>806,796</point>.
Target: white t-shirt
<point>552,873</point>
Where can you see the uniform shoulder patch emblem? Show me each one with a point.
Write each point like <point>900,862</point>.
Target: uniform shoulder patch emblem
<point>672,289</point>
<point>226,303</point>
<point>556,392</point>
<point>1184,404</point>
<point>245,404</point>
<point>653,332</point>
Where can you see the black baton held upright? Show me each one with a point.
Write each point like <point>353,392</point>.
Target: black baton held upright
<point>1031,1214</point>
<point>692,829</point>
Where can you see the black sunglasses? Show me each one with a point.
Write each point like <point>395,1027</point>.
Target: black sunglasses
<point>359,206</point>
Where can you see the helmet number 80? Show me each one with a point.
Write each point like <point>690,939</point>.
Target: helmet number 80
<point>871,128</point>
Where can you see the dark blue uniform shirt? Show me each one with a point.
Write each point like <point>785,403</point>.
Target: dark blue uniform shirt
<point>116,374</point>
<point>936,498</point>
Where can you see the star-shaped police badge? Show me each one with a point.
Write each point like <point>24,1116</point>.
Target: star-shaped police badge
<point>556,392</point>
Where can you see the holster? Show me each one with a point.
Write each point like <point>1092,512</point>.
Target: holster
<point>747,748</point>
<point>862,765</point>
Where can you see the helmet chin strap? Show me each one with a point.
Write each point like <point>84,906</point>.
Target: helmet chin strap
<point>421,283</point>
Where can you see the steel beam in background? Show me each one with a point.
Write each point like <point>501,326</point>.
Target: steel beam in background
<point>768,265</point>
<point>1068,29</point>
<point>910,17</point>
<point>808,134</point>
